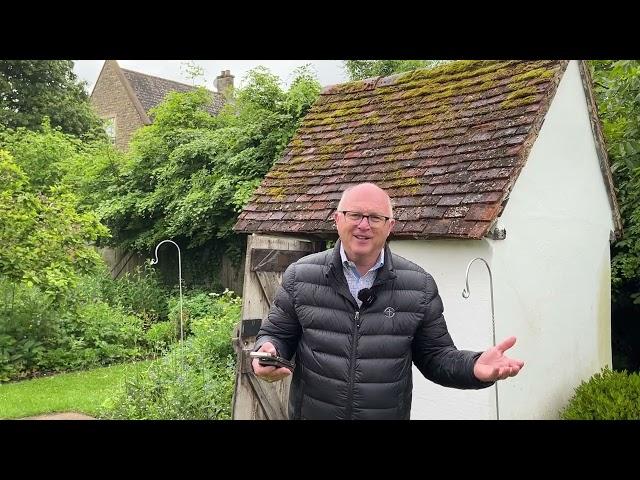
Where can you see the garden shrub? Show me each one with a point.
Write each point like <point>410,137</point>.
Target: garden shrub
<point>607,395</point>
<point>160,336</point>
<point>140,293</point>
<point>195,379</point>
<point>95,334</point>
<point>196,304</point>
<point>26,319</point>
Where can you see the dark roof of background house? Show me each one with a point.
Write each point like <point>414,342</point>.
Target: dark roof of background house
<point>447,144</point>
<point>151,90</point>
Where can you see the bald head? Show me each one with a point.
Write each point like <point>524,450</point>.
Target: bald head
<point>362,237</point>
<point>368,191</point>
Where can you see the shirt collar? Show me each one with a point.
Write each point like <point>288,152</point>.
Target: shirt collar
<point>348,263</point>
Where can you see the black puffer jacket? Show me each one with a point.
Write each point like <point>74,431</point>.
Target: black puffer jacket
<point>356,363</point>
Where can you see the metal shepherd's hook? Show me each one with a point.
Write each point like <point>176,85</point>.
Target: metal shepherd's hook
<point>465,294</point>
<point>155,262</point>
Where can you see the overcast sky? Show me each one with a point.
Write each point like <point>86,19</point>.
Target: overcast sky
<point>328,72</point>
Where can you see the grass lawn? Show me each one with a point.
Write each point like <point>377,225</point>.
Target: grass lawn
<point>81,392</point>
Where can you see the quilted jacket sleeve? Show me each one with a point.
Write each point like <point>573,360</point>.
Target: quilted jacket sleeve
<point>434,352</point>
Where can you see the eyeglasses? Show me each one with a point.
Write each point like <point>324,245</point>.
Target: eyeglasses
<point>356,217</point>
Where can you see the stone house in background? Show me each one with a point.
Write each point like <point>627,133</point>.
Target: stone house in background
<point>124,98</point>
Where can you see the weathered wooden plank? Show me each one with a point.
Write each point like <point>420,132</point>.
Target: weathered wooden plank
<point>268,398</point>
<point>255,399</point>
<point>269,282</point>
<point>272,260</point>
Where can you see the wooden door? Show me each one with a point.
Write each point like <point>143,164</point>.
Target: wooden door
<point>266,260</point>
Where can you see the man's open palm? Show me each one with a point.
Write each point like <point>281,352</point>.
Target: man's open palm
<point>494,365</point>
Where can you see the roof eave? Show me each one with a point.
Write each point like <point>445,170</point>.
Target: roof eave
<point>601,149</point>
<point>133,97</point>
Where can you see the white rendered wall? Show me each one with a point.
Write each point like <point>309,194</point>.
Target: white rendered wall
<point>551,276</point>
<point>469,321</point>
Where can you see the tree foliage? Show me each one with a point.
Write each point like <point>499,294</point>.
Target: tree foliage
<point>188,174</point>
<point>33,89</point>
<point>361,69</point>
<point>50,157</point>
<point>617,85</point>
<point>43,239</point>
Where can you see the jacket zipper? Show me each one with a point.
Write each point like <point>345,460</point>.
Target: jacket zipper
<point>352,368</point>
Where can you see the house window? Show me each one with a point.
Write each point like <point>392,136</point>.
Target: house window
<point>110,128</point>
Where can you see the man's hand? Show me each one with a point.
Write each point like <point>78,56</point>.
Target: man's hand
<point>269,374</point>
<point>493,365</point>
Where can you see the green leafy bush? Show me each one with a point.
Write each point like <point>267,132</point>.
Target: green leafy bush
<point>195,305</point>
<point>214,330</point>
<point>26,318</point>
<point>100,321</point>
<point>167,391</point>
<point>140,293</point>
<point>607,395</point>
<point>160,336</point>
<point>44,237</point>
<point>16,356</point>
<point>96,334</point>
<point>195,380</point>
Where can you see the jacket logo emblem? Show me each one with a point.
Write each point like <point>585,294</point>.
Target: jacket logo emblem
<point>389,312</point>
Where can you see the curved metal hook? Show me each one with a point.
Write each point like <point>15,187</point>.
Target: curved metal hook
<point>466,291</point>
<point>155,262</point>
<point>465,294</point>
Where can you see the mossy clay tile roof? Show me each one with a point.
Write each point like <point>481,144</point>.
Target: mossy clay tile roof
<point>446,143</point>
<point>151,90</point>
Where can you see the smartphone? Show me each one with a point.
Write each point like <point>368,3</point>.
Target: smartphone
<point>266,359</point>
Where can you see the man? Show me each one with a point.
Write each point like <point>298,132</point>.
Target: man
<point>353,358</point>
